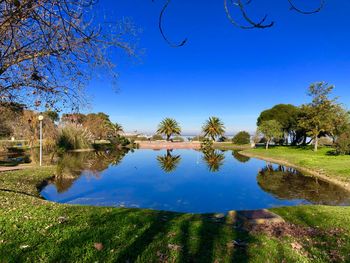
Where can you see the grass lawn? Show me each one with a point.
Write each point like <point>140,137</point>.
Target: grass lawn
<point>35,230</point>
<point>322,161</point>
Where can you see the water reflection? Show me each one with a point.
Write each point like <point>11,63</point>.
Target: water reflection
<point>239,157</point>
<point>168,162</point>
<point>108,179</point>
<point>71,165</point>
<point>287,183</point>
<point>214,159</point>
<point>14,157</point>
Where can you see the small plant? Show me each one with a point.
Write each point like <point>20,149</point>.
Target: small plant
<point>206,145</point>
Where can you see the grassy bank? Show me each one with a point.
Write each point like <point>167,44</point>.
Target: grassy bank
<point>230,146</point>
<point>32,229</point>
<point>323,161</point>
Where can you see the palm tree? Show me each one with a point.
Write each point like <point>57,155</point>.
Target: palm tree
<point>213,128</point>
<point>168,162</point>
<point>118,128</point>
<point>169,127</point>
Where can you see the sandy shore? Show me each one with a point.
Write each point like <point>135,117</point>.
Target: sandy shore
<point>158,145</point>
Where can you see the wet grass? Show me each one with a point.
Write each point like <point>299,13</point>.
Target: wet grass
<point>32,230</point>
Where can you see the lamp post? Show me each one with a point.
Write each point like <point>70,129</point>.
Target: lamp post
<point>40,118</point>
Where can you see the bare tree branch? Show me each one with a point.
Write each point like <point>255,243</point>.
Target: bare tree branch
<point>241,6</point>
<point>50,48</point>
<point>294,7</point>
<point>160,25</point>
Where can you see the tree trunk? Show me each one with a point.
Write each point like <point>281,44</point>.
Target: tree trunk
<point>316,144</point>
<point>168,137</point>
<point>267,144</point>
<point>285,142</point>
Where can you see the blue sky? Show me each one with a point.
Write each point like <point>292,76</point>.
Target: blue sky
<point>222,71</point>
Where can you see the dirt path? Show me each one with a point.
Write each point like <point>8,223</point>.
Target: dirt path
<point>14,168</point>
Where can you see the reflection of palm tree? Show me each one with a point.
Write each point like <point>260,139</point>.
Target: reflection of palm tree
<point>118,156</point>
<point>239,157</point>
<point>167,162</point>
<point>214,159</point>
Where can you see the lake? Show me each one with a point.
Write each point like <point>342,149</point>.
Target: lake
<point>184,181</point>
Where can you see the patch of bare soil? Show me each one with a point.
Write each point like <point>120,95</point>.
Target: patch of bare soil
<point>307,237</point>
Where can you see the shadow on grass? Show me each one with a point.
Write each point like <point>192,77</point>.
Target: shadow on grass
<point>129,235</point>
<point>332,153</point>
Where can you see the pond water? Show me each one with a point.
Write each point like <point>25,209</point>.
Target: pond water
<point>184,181</point>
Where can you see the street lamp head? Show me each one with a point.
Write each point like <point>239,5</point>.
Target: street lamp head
<point>40,117</point>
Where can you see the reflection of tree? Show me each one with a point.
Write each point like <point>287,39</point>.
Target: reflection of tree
<point>71,165</point>
<point>287,183</point>
<point>239,157</point>
<point>213,158</point>
<point>167,162</point>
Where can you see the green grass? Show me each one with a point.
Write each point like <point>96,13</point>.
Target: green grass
<point>322,161</point>
<point>230,146</point>
<point>34,230</point>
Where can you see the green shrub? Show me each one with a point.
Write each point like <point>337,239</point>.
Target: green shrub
<point>157,137</point>
<point>121,140</point>
<point>141,138</point>
<point>73,138</point>
<point>198,138</point>
<point>342,143</point>
<point>241,138</point>
<point>178,139</point>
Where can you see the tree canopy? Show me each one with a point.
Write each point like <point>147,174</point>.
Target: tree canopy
<point>213,128</point>
<point>241,138</point>
<point>169,127</point>
<point>318,116</point>
<point>287,115</point>
<point>48,50</point>
<point>271,129</point>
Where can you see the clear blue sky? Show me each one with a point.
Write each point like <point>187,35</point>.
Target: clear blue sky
<point>222,71</point>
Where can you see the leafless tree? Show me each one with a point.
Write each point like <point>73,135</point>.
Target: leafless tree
<point>49,48</point>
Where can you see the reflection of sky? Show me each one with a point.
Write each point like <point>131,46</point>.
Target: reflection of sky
<point>139,182</point>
